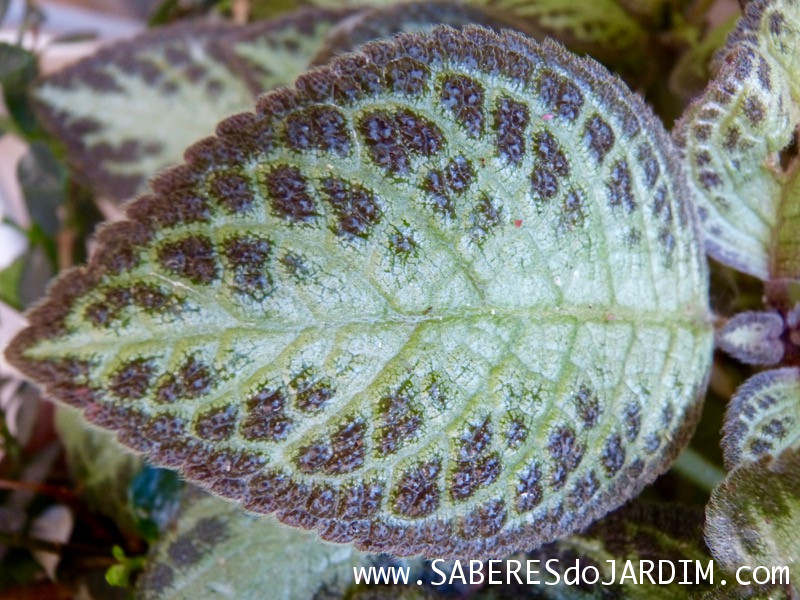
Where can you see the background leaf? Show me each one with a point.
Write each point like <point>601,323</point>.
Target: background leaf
<point>131,109</point>
<point>273,53</point>
<point>732,139</point>
<point>101,467</point>
<point>215,549</point>
<point>754,515</point>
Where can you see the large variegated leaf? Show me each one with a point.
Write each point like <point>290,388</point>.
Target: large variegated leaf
<point>763,417</point>
<point>445,297</point>
<point>753,518</point>
<point>748,194</point>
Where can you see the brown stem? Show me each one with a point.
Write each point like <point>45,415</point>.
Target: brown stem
<point>16,540</point>
<point>62,494</point>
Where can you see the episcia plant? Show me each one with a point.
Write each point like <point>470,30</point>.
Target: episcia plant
<point>443,296</point>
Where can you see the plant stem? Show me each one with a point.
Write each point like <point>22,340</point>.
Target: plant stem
<point>698,469</point>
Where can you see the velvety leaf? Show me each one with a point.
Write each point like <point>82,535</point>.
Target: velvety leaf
<point>215,550</point>
<point>273,53</point>
<point>763,417</point>
<point>753,337</point>
<point>131,109</point>
<point>748,194</point>
<point>754,516</point>
<point>460,312</point>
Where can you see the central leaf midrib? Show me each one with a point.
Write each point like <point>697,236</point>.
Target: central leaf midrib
<point>604,315</point>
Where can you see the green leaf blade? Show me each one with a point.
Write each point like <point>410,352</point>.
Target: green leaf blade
<point>446,298</point>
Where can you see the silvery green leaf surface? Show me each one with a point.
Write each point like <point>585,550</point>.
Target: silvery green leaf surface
<point>753,337</point>
<point>445,297</point>
<point>763,417</point>
<point>737,145</point>
<point>753,517</point>
<point>213,550</point>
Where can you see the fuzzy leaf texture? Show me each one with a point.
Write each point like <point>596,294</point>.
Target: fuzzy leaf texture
<point>763,417</point>
<point>445,297</point>
<point>753,516</point>
<point>383,22</point>
<point>739,145</point>
<point>753,337</point>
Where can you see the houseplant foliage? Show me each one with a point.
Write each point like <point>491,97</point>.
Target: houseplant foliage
<point>442,297</point>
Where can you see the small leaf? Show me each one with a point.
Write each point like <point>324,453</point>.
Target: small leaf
<point>754,516</point>
<point>330,312</point>
<point>732,137</point>
<point>214,548</point>
<point>9,282</point>
<point>119,575</point>
<point>753,337</point>
<point>763,417</point>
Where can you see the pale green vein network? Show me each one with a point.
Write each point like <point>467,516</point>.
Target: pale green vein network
<point>515,323</point>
